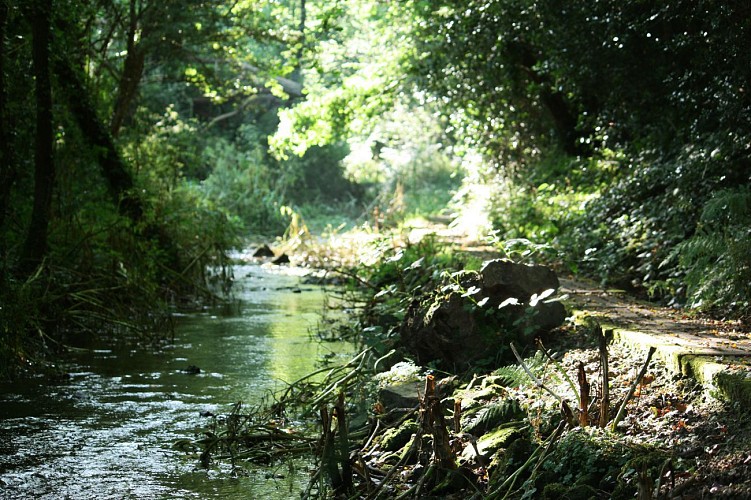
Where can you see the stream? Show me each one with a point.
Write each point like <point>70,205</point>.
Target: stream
<point>108,430</point>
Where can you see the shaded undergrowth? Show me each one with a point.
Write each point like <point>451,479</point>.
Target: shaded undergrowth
<point>379,426</point>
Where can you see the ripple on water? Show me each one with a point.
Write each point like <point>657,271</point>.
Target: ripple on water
<point>108,431</point>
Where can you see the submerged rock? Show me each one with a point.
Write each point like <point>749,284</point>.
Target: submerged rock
<point>263,251</point>
<point>473,318</point>
<point>282,259</point>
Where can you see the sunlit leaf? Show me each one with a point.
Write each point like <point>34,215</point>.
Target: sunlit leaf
<point>511,301</point>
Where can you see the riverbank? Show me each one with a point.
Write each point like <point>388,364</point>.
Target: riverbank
<point>503,431</point>
<point>110,427</point>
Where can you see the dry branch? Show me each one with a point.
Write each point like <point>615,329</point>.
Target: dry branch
<point>605,385</point>
<point>622,409</point>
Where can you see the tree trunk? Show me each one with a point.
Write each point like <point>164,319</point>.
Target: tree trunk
<point>132,73</point>
<point>35,245</point>
<point>563,118</point>
<point>6,168</point>
<point>296,74</point>
<point>119,180</point>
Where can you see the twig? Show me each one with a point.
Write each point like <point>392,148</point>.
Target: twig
<point>622,409</point>
<point>584,400</point>
<point>560,368</point>
<point>531,375</point>
<point>364,448</point>
<point>329,369</point>
<point>457,415</point>
<point>605,385</point>
<point>338,383</point>
<point>355,277</point>
<point>343,448</point>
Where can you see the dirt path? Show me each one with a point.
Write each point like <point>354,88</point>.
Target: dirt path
<point>716,353</point>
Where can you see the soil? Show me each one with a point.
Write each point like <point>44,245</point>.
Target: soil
<point>703,444</point>
<point>709,440</point>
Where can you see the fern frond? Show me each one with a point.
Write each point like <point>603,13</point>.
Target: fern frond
<point>493,415</point>
<point>514,375</point>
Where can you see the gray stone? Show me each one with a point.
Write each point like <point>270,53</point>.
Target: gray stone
<point>453,330</point>
<point>399,395</point>
<point>504,279</point>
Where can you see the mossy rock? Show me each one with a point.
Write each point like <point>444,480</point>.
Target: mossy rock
<point>640,473</point>
<point>452,481</point>
<point>396,438</point>
<point>498,438</point>
<point>585,456</point>
<point>507,461</point>
<point>594,458</point>
<point>734,386</point>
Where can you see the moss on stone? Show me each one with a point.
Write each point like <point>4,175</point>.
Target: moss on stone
<point>396,438</point>
<point>498,438</point>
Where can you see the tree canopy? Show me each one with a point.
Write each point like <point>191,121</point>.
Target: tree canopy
<point>141,139</point>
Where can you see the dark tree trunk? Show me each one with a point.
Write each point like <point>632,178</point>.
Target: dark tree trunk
<point>6,166</point>
<point>35,245</point>
<point>132,73</point>
<point>119,180</point>
<point>559,110</point>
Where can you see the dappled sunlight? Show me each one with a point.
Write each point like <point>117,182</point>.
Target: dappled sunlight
<point>391,147</point>
<point>473,218</point>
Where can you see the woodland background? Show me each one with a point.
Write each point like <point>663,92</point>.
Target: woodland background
<point>142,140</point>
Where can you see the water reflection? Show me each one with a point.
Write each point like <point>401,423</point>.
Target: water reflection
<point>107,432</point>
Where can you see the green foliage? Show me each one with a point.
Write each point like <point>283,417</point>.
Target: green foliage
<point>586,456</point>
<point>404,269</point>
<point>164,80</point>
<point>493,415</point>
<point>396,275</point>
<point>19,314</point>
<point>722,243</point>
<point>586,460</point>
<point>350,79</point>
<point>515,376</point>
<point>242,184</point>
<point>319,177</point>
<point>613,170</point>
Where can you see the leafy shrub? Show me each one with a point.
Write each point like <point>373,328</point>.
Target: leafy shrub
<point>717,258</point>
<point>243,185</point>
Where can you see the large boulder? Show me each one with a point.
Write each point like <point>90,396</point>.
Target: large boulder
<point>473,318</point>
<point>503,279</point>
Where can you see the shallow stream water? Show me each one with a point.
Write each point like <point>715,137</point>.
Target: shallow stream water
<point>107,432</point>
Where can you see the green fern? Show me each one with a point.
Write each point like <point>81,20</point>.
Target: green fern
<point>495,414</point>
<point>717,259</point>
<point>514,375</point>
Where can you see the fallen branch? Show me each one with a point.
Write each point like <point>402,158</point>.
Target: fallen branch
<point>531,375</point>
<point>622,409</point>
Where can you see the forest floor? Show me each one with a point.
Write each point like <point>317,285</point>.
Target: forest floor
<point>691,406</point>
<point>695,399</point>
<point>684,406</point>
<point>708,436</point>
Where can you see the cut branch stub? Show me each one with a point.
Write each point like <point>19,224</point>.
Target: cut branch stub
<point>605,387</point>
<point>584,396</point>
